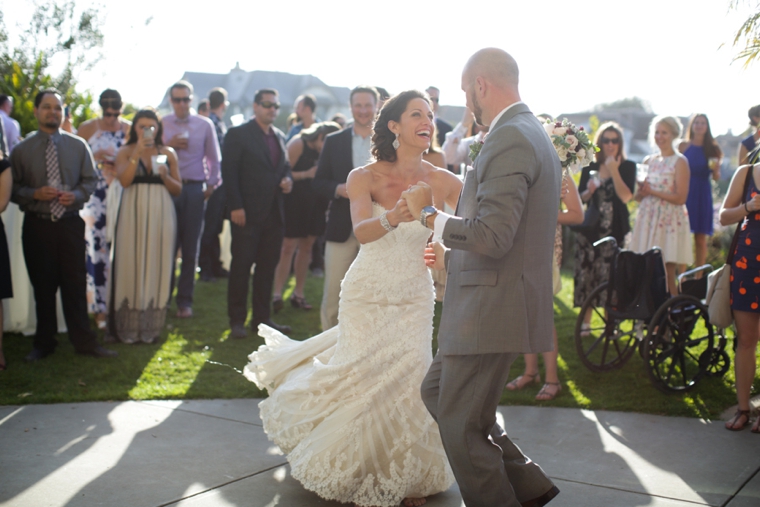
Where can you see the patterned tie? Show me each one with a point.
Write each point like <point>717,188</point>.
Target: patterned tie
<point>54,178</point>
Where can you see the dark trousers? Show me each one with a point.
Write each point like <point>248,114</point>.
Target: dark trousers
<point>209,257</point>
<point>55,257</point>
<point>190,206</point>
<point>462,394</point>
<point>318,254</point>
<point>254,244</point>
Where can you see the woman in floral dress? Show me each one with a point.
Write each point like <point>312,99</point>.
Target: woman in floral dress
<point>105,136</point>
<point>662,219</point>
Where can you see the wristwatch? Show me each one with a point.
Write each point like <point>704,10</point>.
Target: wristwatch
<point>427,211</point>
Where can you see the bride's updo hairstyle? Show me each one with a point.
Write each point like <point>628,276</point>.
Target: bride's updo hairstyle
<point>382,138</point>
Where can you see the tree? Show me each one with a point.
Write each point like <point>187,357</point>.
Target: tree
<point>627,103</point>
<point>748,35</point>
<point>58,36</point>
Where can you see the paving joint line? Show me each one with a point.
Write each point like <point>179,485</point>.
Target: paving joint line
<point>147,402</point>
<point>743,485</point>
<point>651,495</point>
<point>233,481</point>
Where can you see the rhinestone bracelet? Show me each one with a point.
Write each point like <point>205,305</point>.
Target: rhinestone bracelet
<point>385,223</point>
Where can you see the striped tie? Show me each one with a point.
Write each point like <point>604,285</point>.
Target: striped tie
<point>54,178</point>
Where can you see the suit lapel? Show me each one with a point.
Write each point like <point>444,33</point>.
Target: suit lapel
<point>258,139</point>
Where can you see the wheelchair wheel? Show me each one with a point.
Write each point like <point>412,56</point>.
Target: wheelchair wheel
<point>680,347</point>
<point>610,342</point>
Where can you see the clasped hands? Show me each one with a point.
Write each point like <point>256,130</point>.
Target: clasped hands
<point>409,208</point>
<point>47,193</point>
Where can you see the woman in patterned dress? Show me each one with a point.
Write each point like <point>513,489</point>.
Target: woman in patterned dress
<point>611,190</point>
<point>105,136</point>
<point>745,289</point>
<point>662,219</point>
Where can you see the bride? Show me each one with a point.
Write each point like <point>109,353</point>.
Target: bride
<point>345,405</point>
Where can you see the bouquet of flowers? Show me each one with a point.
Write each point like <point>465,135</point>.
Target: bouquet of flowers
<point>574,148</point>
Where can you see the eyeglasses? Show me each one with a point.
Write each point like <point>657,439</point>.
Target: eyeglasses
<point>268,105</point>
<point>111,115</point>
<point>608,140</point>
<point>177,100</point>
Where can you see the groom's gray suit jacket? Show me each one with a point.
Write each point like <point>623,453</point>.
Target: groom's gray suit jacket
<point>499,289</point>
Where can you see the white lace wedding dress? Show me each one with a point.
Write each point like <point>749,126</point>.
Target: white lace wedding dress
<point>345,405</point>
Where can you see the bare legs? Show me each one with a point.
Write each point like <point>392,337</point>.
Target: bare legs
<point>301,248</point>
<point>748,332</point>
<point>671,271</point>
<point>552,386</point>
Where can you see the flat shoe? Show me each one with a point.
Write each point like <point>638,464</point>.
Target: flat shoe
<point>545,395</point>
<point>515,385</point>
<point>738,415</point>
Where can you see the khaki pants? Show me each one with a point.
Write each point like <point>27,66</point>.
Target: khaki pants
<point>338,258</point>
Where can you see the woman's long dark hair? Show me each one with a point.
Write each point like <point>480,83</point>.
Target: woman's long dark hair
<point>709,146</point>
<point>151,113</point>
<point>382,138</point>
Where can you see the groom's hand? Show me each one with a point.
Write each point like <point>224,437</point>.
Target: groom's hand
<point>435,254</point>
<point>417,197</point>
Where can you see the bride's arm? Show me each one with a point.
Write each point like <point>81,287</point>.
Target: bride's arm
<point>453,186</point>
<point>366,227</point>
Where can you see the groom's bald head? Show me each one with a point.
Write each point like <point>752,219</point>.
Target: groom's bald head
<point>495,65</point>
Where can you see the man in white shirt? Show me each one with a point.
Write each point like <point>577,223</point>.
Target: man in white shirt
<point>11,128</point>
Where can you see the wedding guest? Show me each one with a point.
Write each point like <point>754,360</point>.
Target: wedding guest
<point>304,107</point>
<point>456,148</point>
<point>572,214</point>
<point>209,259</point>
<point>608,184</point>
<point>750,142</point>
<point>6,285</point>
<point>704,157</point>
<point>194,139</point>
<point>203,107</point>
<point>53,176</point>
<point>340,119</point>
<point>145,233</point>
<point>105,135</point>
<point>11,128</point>
<point>662,219</point>
<point>257,174</point>
<point>744,292</point>
<point>442,127</point>
<point>434,154</point>
<point>383,96</point>
<point>342,152</point>
<point>304,213</point>
<point>67,126</point>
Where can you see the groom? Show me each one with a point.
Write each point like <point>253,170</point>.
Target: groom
<point>498,300</point>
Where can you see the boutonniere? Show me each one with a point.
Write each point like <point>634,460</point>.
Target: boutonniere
<point>475,149</point>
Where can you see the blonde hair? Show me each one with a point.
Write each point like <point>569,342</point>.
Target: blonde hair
<point>673,123</point>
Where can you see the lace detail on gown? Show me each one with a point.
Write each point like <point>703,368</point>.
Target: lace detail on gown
<point>345,405</point>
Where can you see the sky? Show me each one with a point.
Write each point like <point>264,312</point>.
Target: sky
<point>675,54</point>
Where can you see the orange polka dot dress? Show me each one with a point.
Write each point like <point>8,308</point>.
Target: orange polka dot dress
<point>745,268</point>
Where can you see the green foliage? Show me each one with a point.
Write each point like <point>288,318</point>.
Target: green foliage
<point>748,35</point>
<point>56,36</point>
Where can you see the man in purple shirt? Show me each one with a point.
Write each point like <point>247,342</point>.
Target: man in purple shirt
<point>194,139</point>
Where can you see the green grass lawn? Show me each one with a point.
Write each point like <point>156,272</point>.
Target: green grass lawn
<point>196,358</point>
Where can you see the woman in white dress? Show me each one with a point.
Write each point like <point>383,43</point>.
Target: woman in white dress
<point>345,405</point>
<point>662,219</point>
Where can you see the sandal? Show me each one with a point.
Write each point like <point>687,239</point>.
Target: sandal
<point>297,302</point>
<point>515,385</point>
<point>277,304</point>
<point>731,425</point>
<point>756,426</point>
<point>545,395</point>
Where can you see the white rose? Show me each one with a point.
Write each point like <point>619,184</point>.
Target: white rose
<point>559,131</point>
<point>581,154</point>
<point>572,140</point>
<point>562,153</point>
<point>549,128</point>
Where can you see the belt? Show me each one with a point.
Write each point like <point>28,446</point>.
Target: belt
<point>49,216</point>
<point>190,182</point>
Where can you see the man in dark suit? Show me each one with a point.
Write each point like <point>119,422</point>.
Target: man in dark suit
<point>255,168</point>
<point>442,127</point>
<point>341,153</point>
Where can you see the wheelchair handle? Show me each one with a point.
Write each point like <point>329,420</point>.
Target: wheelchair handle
<point>604,240</point>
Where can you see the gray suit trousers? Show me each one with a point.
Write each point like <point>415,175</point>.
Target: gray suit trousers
<point>462,393</point>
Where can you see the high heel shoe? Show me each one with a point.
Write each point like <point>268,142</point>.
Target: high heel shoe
<point>297,302</point>
<point>277,304</point>
<point>515,385</point>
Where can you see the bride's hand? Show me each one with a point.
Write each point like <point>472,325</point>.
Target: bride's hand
<point>435,254</point>
<point>400,213</point>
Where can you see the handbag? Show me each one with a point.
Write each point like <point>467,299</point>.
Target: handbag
<point>590,224</point>
<point>719,281</point>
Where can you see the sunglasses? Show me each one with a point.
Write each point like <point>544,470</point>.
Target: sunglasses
<point>608,140</point>
<point>111,115</point>
<point>268,105</point>
<point>177,100</point>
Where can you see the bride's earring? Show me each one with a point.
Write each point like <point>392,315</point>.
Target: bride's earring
<point>396,143</point>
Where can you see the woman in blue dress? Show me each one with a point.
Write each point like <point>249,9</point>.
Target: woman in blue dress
<point>704,156</point>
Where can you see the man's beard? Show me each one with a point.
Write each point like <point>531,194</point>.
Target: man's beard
<point>52,124</point>
<point>476,110</point>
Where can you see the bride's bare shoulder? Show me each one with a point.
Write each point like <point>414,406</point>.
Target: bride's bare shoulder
<point>438,174</point>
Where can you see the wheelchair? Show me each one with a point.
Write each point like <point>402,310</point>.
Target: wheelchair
<point>633,310</point>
